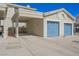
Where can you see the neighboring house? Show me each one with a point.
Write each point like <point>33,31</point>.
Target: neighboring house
<point>56,23</point>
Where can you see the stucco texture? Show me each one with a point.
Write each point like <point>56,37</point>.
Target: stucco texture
<point>35,27</point>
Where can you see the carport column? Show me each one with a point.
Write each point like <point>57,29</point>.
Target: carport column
<point>5,34</point>
<point>16,23</point>
<point>5,23</point>
<point>17,29</point>
<point>13,28</point>
<point>7,18</point>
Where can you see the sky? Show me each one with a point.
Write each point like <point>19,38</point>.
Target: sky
<point>73,8</point>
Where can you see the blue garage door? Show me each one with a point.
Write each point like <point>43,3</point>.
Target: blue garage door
<point>67,29</point>
<point>52,29</point>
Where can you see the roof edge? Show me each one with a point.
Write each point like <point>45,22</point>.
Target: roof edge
<point>58,10</point>
<point>19,6</point>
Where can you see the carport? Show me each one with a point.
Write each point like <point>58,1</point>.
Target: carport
<point>32,22</point>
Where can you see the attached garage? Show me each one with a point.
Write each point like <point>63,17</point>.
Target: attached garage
<point>67,29</point>
<point>52,29</point>
<point>58,23</point>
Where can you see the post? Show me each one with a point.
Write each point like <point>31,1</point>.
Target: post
<point>16,23</point>
<point>5,32</point>
<point>13,28</point>
<point>7,20</point>
<point>17,29</point>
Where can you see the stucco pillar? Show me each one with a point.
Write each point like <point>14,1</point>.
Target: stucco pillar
<point>7,21</point>
<point>16,29</point>
<point>16,23</point>
<point>5,32</point>
<point>13,29</point>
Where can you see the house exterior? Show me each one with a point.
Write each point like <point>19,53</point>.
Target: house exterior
<point>16,20</point>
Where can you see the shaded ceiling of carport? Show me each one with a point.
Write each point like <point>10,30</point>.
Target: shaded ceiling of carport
<point>1,14</point>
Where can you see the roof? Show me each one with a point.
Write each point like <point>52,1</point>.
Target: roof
<point>19,6</point>
<point>59,10</point>
<point>46,13</point>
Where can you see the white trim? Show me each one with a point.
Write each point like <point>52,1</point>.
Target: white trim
<point>20,6</point>
<point>59,10</point>
<point>58,27</point>
<point>45,26</point>
<point>72,27</point>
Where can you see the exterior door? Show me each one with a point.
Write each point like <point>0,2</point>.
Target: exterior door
<point>52,29</point>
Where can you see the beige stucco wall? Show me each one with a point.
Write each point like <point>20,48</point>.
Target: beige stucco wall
<point>35,26</point>
<point>58,18</point>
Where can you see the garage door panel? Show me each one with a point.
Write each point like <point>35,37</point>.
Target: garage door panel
<point>52,29</point>
<point>67,29</point>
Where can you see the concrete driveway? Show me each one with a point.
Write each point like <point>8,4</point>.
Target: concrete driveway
<point>38,46</point>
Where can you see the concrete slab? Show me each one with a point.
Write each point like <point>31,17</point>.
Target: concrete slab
<point>38,46</point>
